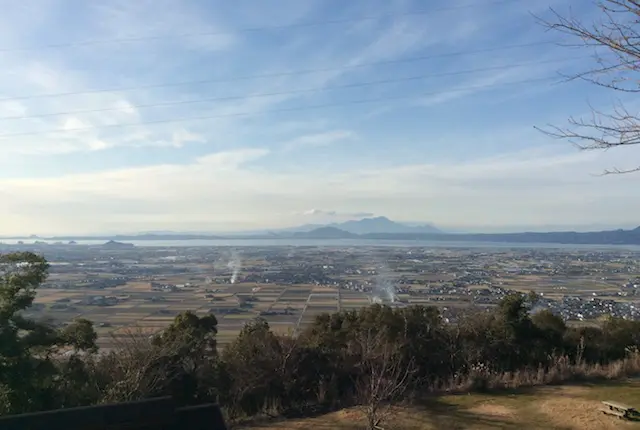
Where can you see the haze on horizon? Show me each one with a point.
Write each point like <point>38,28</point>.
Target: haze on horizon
<point>421,113</point>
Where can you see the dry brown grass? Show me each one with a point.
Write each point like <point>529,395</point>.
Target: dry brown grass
<point>523,400</point>
<point>493,410</point>
<point>578,413</point>
<point>560,372</point>
<point>560,408</point>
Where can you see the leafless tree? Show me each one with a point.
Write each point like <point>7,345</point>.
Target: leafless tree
<point>135,367</point>
<point>615,41</point>
<point>384,377</point>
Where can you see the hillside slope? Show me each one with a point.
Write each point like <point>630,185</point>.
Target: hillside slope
<point>572,407</point>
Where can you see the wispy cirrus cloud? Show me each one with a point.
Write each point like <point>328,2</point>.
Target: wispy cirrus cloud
<point>142,35</point>
<point>133,39</point>
<point>319,139</point>
<point>177,116</point>
<point>521,185</point>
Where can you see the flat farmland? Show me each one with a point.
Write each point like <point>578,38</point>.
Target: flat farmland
<point>557,286</point>
<point>290,286</point>
<point>135,308</point>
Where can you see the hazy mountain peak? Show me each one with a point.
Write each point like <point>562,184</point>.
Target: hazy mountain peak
<point>378,218</point>
<point>326,232</point>
<point>381,224</point>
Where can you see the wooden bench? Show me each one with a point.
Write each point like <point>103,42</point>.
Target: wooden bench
<point>619,410</point>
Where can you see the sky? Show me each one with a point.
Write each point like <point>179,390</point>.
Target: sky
<point>125,116</point>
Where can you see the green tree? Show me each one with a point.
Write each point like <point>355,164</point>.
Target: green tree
<point>28,372</point>
<point>253,362</point>
<point>548,321</point>
<point>80,335</point>
<point>191,331</point>
<point>429,345</point>
<point>181,361</point>
<point>620,336</point>
<point>187,353</point>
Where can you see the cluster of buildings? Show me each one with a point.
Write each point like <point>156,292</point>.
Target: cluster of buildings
<point>91,282</point>
<point>429,275</point>
<point>100,301</point>
<point>168,288</point>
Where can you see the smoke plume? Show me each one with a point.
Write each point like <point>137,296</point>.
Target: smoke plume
<point>384,289</point>
<point>235,265</point>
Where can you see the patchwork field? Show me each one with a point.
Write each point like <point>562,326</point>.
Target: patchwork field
<point>136,307</point>
<point>558,286</point>
<point>562,408</point>
<point>289,287</point>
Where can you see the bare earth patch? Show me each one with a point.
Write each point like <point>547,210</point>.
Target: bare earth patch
<point>493,410</point>
<point>570,390</point>
<point>350,415</point>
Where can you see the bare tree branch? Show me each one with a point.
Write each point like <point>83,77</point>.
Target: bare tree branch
<point>384,376</point>
<point>617,35</point>
<point>619,171</point>
<point>136,367</point>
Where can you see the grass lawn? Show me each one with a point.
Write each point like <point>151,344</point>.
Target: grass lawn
<point>570,407</point>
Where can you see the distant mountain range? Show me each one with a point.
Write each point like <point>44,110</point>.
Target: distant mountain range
<point>379,224</point>
<point>325,233</point>
<point>613,237</point>
<point>382,228</point>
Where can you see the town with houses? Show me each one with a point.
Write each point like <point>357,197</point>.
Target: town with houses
<point>126,287</point>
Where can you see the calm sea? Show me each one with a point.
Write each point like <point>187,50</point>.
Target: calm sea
<point>333,243</point>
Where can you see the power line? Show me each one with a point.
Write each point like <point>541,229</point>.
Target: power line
<point>258,29</point>
<point>299,91</point>
<point>280,74</point>
<point>300,108</point>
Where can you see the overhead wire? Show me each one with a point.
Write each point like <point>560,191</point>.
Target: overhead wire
<point>292,92</point>
<point>279,74</point>
<point>267,112</point>
<point>258,29</point>
<point>270,75</point>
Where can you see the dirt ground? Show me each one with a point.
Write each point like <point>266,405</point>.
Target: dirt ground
<point>573,407</point>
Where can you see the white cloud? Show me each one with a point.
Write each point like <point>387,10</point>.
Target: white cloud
<point>51,92</point>
<point>165,20</point>
<point>232,159</point>
<point>515,80</point>
<point>43,77</point>
<point>315,212</point>
<point>12,109</point>
<point>144,61</point>
<point>319,139</point>
<point>539,187</point>
<point>126,106</point>
<point>332,213</point>
<point>83,130</point>
<point>245,181</point>
<point>180,137</point>
<point>72,123</point>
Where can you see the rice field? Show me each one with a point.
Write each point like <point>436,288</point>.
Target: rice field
<point>287,308</point>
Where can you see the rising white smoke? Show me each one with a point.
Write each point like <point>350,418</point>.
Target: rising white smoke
<point>235,265</point>
<point>384,289</point>
<point>537,308</point>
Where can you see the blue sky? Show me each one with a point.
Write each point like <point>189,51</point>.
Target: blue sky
<point>415,110</point>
